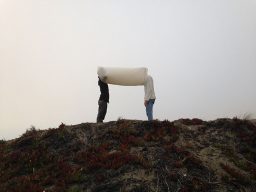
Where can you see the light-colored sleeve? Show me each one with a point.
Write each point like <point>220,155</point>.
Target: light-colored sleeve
<point>146,90</point>
<point>149,89</point>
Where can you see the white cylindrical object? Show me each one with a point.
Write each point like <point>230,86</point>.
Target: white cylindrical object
<point>123,76</point>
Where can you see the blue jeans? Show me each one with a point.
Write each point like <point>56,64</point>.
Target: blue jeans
<point>149,109</point>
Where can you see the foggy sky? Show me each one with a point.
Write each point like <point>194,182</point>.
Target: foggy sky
<point>201,54</point>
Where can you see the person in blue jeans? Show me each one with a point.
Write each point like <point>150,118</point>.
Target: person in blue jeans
<point>150,97</point>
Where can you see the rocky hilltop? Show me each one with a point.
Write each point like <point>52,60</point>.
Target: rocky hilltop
<point>133,156</point>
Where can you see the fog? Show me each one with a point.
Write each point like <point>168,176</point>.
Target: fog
<point>201,54</point>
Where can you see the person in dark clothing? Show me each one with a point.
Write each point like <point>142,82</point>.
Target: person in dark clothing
<point>103,101</point>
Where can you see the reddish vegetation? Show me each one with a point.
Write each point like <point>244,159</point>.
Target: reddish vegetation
<point>127,141</point>
<point>234,173</point>
<point>193,121</point>
<point>252,168</point>
<point>25,183</point>
<point>184,189</point>
<point>159,131</point>
<point>101,157</point>
<point>245,130</point>
<point>70,158</point>
<point>175,149</point>
<point>97,158</point>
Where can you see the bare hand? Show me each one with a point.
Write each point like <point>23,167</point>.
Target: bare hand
<point>145,103</point>
<point>104,79</point>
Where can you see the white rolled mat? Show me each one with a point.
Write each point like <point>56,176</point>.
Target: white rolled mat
<point>123,76</point>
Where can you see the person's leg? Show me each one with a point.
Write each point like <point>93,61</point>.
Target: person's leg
<point>101,111</point>
<point>149,109</point>
<point>104,109</point>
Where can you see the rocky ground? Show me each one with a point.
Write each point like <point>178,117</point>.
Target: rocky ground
<point>133,156</point>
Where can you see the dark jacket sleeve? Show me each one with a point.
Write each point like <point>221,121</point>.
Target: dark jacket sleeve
<point>104,92</point>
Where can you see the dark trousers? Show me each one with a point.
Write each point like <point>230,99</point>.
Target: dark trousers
<point>103,105</point>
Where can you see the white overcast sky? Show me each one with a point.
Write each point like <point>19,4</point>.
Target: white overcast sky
<point>201,54</point>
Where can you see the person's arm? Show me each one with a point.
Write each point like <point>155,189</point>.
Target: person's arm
<point>104,78</point>
<point>148,87</point>
<point>146,90</point>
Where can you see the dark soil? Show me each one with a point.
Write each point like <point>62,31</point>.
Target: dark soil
<point>133,156</point>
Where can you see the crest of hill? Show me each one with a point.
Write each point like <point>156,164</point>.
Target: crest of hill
<point>132,155</point>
